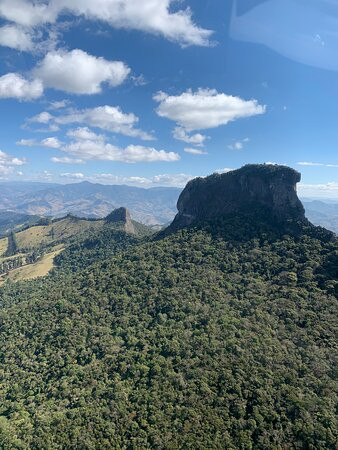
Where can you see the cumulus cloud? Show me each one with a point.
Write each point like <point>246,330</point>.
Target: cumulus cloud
<point>195,151</point>
<point>50,142</point>
<point>181,134</point>
<point>44,117</point>
<point>155,17</point>
<point>13,85</point>
<point>98,150</point>
<point>26,13</point>
<point>205,108</point>
<point>7,160</point>
<point>15,37</point>
<point>77,72</point>
<point>109,118</point>
<point>66,160</point>
<point>84,133</point>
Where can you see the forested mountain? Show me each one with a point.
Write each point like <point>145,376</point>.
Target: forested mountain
<point>29,252</point>
<point>218,333</point>
<point>150,206</point>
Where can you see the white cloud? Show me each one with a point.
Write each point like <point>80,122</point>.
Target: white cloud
<point>7,160</point>
<point>139,80</point>
<point>26,142</point>
<point>315,164</point>
<point>59,104</point>
<point>77,72</point>
<point>74,176</point>
<point>26,13</point>
<point>224,170</point>
<point>181,134</point>
<point>153,16</point>
<point>84,133</point>
<point>329,190</point>
<point>195,151</point>
<point>66,160</point>
<point>170,180</point>
<point>238,145</point>
<point>43,117</point>
<point>179,179</point>
<point>13,85</point>
<point>98,150</point>
<point>15,37</point>
<point>306,163</point>
<point>205,108</point>
<point>52,128</point>
<point>50,142</point>
<point>110,118</point>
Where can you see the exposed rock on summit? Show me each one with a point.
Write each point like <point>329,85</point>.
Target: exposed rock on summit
<point>266,186</point>
<point>122,215</point>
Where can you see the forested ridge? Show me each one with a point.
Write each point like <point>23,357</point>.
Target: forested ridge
<point>221,335</point>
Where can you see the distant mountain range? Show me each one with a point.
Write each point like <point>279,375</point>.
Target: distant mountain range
<point>323,213</point>
<point>149,206</point>
<point>10,220</point>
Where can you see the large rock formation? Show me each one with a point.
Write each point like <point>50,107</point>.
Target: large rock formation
<point>269,187</point>
<point>121,216</point>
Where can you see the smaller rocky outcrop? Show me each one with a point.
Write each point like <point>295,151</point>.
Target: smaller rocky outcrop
<point>121,216</point>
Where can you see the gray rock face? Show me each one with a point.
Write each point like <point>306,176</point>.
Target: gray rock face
<point>265,186</point>
<point>122,215</point>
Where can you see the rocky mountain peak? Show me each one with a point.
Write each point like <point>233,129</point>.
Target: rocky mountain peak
<point>121,215</point>
<point>266,186</point>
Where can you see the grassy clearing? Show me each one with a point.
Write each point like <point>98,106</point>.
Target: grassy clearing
<point>48,234</point>
<point>31,271</point>
<point>3,245</point>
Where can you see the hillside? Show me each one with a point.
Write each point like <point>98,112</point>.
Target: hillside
<point>149,206</point>
<point>220,334</point>
<point>30,253</point>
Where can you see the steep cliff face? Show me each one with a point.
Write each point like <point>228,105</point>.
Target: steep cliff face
<point>122,215</point>
<point>269,187</point>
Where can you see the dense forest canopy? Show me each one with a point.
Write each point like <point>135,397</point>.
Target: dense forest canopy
<point>220,335</point>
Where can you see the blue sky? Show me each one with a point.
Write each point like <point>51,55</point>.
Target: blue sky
<point>114,92</point>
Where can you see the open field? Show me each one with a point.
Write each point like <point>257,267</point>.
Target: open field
<point>31,271</point>
<point>3,245</point>
<point>60,230</point>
